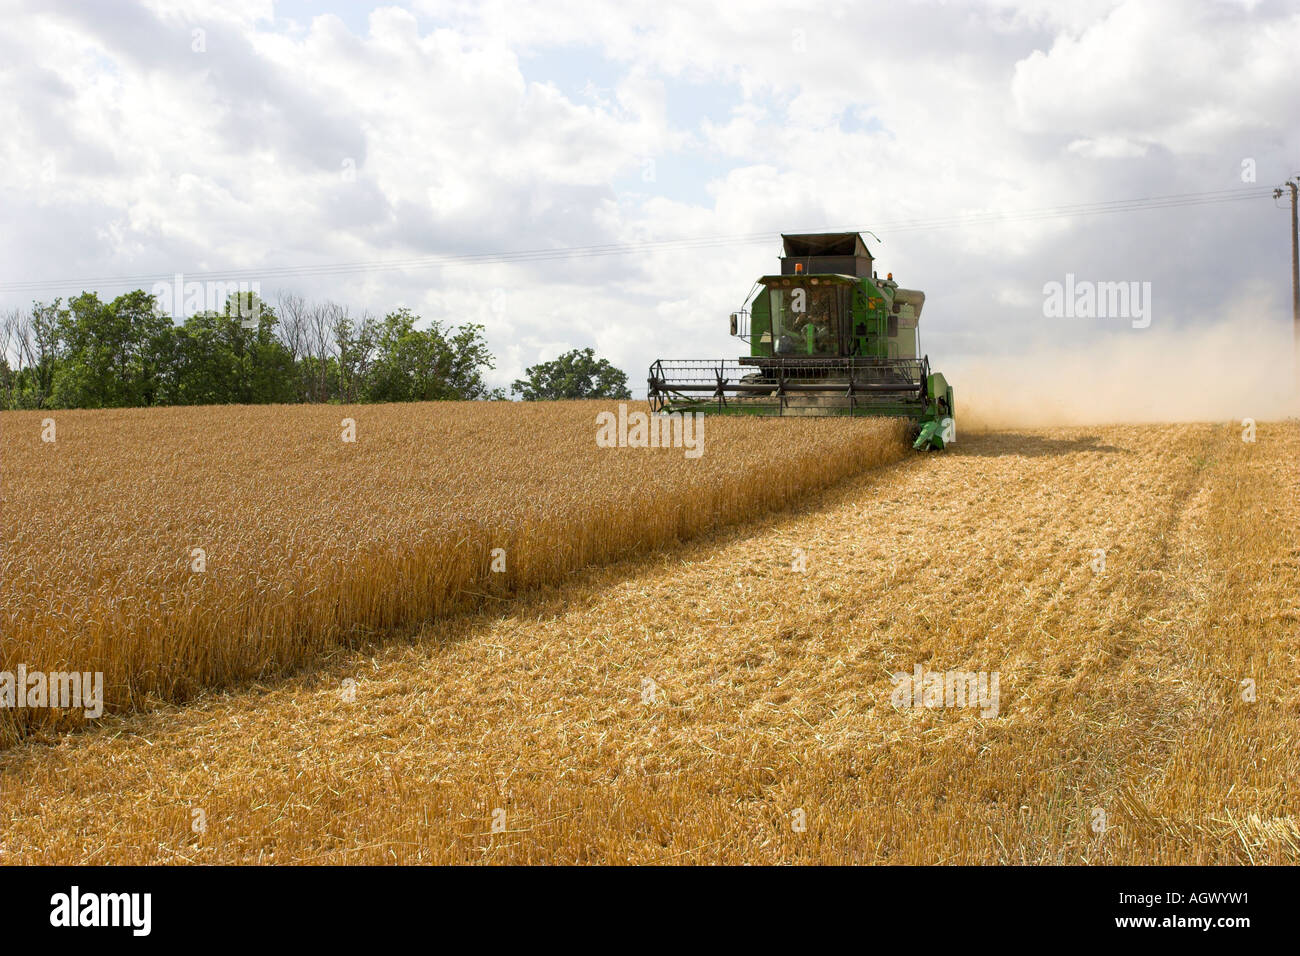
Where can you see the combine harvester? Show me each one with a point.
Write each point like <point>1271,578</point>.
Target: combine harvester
<point>826,337</point>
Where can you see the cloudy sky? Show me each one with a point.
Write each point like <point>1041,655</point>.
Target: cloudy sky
<point>340,149</point>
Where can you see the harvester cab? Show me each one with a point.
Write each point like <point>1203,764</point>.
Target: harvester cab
<point>826,337</point>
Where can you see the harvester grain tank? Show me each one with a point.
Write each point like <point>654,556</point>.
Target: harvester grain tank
<point>826,337</point>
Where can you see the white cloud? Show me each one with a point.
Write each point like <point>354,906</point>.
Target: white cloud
<point>1184,75</point>
<point>1107,147</point>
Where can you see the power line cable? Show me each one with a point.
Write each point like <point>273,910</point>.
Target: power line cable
<point>1177,200</point>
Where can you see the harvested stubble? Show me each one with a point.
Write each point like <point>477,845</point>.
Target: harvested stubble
<point>313,543</point>
<point>1120,691</point>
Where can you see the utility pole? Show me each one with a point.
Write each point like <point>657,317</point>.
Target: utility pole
<point>1291,184</point>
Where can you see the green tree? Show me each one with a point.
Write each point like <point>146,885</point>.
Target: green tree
<point>208,360</point>
<point>268,365</point>
<point>355,343</point>
<point>8,382</point>
<point>232,356</point>
<point>37,339</point>
<point>438,363</point>
<point>93,354</point>
<point>112,354</point>
<point>575,374</point>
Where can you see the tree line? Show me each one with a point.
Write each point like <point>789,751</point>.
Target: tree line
<point>88,353</point>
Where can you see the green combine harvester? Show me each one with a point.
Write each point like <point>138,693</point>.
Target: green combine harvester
<point>826,337</point>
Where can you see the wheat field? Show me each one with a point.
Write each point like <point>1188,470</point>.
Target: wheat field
<point>729,699</point>
<point>180,549</point>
